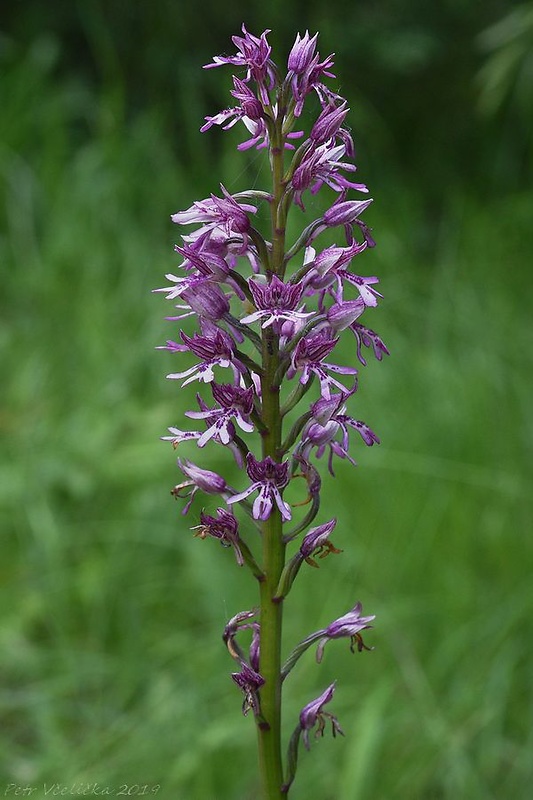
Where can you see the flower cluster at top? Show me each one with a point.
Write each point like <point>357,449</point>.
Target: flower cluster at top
<point>306,311</point>
<point>269,313</point>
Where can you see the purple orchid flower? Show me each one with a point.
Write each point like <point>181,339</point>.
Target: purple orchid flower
<point>275,301</point>
<point>249,681</point>
<point>316,543</point>
<point>320,165</point>
<point>234,403</point>
<point>235,273</point>
<point>223,527</point>
<point>308,358</point>
<point>214,347</point>
<point>328,123</point>
<point>328,419</point>
<point>199,479</point>
<point>313,714</point>
<point>267,477</point>
<point>350,625</point>
<point>306,70</point>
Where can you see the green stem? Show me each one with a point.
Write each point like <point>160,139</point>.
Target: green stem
<point>271,609</point>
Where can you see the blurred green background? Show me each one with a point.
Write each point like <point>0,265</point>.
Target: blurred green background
<point>112,668</point>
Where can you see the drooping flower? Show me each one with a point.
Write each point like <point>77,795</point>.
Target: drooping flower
<point>223,527</point>
<point>313,714</point>
<point>316,542</point>
<point>267,477</point>
<point>199,479</point>
<point>249,682</point>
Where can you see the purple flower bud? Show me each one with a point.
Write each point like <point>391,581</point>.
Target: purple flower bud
<point>345,212</point>
<point>199,479</point>
<point>313,713</point>
<point>250,105</point>
<point>302,53</point>
<point>308,357</point>
<point>341,315</point>
<point>328,123</point>
<point>207,300</point>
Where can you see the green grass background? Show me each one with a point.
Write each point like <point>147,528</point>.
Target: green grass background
<point>112,666</point>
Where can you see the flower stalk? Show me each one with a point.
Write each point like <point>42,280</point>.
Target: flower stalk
<point>246,290</point>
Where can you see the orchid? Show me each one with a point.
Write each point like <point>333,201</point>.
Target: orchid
<point>269,314</point>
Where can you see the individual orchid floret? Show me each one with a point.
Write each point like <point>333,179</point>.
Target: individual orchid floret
<point>199,479</point>
<point>308,359</point>
<point>253,53</point>
<point>249,681</point>
<point>235,403</point>
<point>223,527</point>
<point>313,714</point>
<point>267,477</point>
<point>329,419</point>
<point>239,622</point>
<point>328,123</point>
<point>207,300</point>
<point>319,271</point>
<point>331,259</point>
<point>316,543</point>
<point>321,165</point>
<point>225,214</point>
<point>275,302</point>
<point>319,436</point>
<point>250,105</point>
<point>341,315</point>
<point>350,625</point>
<point>214,347</point>
<point>302,53</point>
<point>306,71</point>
